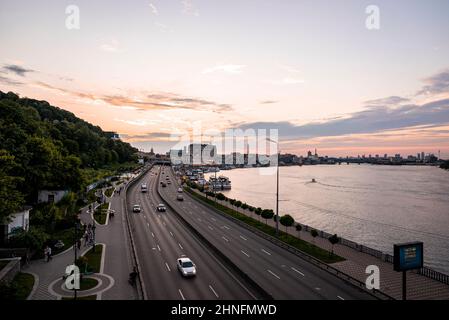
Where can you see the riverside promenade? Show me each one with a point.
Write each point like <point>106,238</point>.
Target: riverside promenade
<point>419,287</point>
<point>116,262</point>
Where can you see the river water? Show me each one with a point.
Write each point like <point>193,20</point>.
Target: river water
<point>375,206</point>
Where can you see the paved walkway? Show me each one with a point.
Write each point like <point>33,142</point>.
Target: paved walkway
<point>115,267</point>
<point>418,286</point>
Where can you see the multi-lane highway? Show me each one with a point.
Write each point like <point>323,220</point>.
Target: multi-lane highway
<point>160,238</point>
<point>279,272</point>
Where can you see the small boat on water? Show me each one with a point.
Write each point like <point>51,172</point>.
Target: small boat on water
<point>220,183</point>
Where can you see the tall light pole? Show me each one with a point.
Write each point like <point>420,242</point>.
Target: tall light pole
<point>277,186</point>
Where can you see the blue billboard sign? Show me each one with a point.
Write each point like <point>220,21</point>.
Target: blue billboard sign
<point>408,256</point>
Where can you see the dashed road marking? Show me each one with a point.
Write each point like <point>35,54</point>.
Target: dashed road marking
<point>180,246</point>
<point>226,227</point>
<point>340,298</point>
<point>210,227</point>
<point>213,291</point>
<point>168,268</point>
<point>171,233</point>
<point>263,250</point>
<point>245,253</point>
<point>274,274</point>
<point>213,219</point>
<point>296,270</point>
<point>152,234</point>
<point>225,239</point>
<point>180,293</point>
<point>159,248</point>
<point>243,238</point>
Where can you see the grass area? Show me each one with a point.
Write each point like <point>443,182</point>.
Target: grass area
<point>94,259</point>
<point>94,297</point>
<point>19,288</point>
<point>88,283</point>
<point>299,244</point>
<point>108,192</point>
<point>3,264</point>
<point>100,213</point>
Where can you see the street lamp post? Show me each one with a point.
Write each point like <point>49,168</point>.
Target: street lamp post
<point>93,235</point>
<point>277,185</point>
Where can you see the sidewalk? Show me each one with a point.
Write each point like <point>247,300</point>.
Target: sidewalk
<point>115,267</point>
<point>418,286</point>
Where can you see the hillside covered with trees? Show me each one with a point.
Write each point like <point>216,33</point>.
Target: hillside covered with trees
<point>45,147</point>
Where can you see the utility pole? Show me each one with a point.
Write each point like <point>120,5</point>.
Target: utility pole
<point>277,197</point>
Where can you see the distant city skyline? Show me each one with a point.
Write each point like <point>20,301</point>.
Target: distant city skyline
<point>311,70</point>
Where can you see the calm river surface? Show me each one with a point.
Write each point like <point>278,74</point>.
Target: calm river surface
<point>373,205</point>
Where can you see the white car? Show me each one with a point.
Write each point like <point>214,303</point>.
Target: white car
<point>186,267</point>
<point>180,197</point>
<point>180,190</point>
<point>136,208</point>
<point>161,208</point>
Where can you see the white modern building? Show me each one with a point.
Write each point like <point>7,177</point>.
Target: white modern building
<point>18,220</point>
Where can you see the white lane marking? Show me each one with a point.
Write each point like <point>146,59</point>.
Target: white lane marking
<point>243,238</point>
<point>199,219</point>
<point>152,234</point>
<point>213,219</point>
<point>296,270</point>
<point>182,296</point>
<point>148,225</point>
<point>210,227</point>
<point>159,248</point>
<point>245,253</point>
<point>213,291</point>
<point>340,298</point>
<point>274,274</point>
<point>168,268</point>
<point>263,250</point>
<point>226,227</point>
<point>180,246</point>
<point>225,239</point>
<point>171,234</point>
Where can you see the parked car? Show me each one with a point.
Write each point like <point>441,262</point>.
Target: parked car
<point>161,207</point>
<point>186,267</point>
<point>136,208</point>
<point>179,190</point>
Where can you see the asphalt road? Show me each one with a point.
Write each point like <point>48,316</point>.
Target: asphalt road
<point>160,239</point>
<point>281,273</point>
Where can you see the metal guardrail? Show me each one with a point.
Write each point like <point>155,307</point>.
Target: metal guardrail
<point>345,277</point>
<point>141,285</point>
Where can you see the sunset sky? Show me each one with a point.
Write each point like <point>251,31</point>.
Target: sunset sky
<point>311,69</point>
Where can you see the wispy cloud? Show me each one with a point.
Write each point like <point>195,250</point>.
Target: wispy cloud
<point>9,81</point>
<point>389,101</point>
<point>152,101</point>
<point>289,69</point>
<point>438,83</point>
<point>268,102</point>
<point>112,45</point>
<point>226,68</point>
<point>16,69</point>
<point>371,120</point>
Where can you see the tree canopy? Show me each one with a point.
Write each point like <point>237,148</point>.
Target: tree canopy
<point>45,147</point>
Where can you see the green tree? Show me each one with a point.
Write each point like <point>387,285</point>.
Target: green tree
<point>333,240</point>
<point>11,199</point>
<point>267,214</point>
<point>33,239</point>
<point>314,234</point>
<point>287,221</point>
